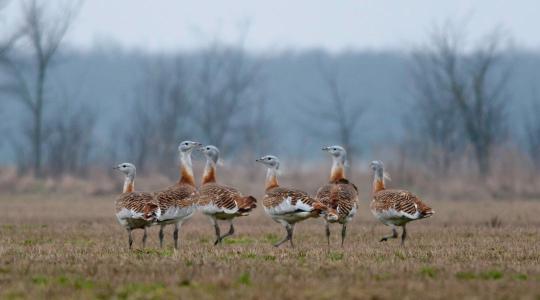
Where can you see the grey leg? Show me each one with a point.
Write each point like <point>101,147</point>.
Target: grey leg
<point>218,234</point>
<point>144,237</point>
<point>343,233</point>
<point>231,231</point>
<point>161,236</point>
<point>288,228</point>
<point>328,233</point>
<point>393,236</point>
<point>290,235</point>
<point>130,238</point>
<point>403,235</point>
<point>175,234</point>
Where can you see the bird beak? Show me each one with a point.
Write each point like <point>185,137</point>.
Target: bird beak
<point>116,167</point>
<point>200,148</point>
<point>326,148</point>
<point>258,160</point>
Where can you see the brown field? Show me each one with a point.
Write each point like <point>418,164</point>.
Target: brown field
<point>60,246</point>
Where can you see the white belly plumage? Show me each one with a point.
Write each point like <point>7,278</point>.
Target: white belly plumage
<point>176,214</point>
<point>394,217</point>
<point>212,209</point>
<point>288,212</point>
<point>132,219</point>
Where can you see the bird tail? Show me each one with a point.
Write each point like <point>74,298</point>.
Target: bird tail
<point>320,209</point>
<point>151,211</point>
<point>331,215</point>
<point>427,212</point>
<point>246,204</point>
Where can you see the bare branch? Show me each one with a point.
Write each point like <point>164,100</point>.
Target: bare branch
<point>450,81</point>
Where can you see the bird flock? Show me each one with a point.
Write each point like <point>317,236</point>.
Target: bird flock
<point>335,202</point>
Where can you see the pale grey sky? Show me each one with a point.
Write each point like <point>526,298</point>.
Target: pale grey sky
<point>166,25</point>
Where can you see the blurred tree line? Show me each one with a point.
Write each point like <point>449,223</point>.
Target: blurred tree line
<point>458,103</point>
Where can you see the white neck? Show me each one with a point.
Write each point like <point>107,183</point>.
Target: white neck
<point>209,174</point>
<point>338,168</point>
<point>129,183</point>
<point>186,169</point>
<point>271,178</point>
<point>378,180</point>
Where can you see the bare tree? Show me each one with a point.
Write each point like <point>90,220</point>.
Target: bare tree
<point>257,129</point>
<point>474,83</point>
<point>434,122</point>
<point>70,142</point>
<point>226,84</point>
<point>337,108</point>
<point>161,114</point>
<point>43,31</point>
<point>532,131</point>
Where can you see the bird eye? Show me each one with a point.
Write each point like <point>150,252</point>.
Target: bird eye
<point>124,166</point>
<point>335,149</point>
<point>186,144</point>
<point>269,158</point>
<point>207,148</point>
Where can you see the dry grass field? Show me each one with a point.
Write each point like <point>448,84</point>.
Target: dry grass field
<point>70,246</point>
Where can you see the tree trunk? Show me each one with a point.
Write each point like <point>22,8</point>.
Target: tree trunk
<point>38,122</point>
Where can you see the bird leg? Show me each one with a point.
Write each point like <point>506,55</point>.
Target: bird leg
<point>130,238</point>
<point>403,235</point>
<point>218,235</point>
<point>175,235</point>
<point>288,237</point>
<point>328,233</point>
<point>161,236</point>
<point>144,237</point>
<point>393,236</point>
<point>231,231</point>
<point>343,233</point>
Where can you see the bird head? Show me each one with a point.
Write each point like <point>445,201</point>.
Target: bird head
<point>126,168</point>
<point>210,152</point>
<point>335,151</point>
<point>269,161</point>
<point>188,146</point>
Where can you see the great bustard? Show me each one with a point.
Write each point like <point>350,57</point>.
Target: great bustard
<point>135,210</point>
<point>287,206</point>
<point>395,207</point>
<point>218,201</point>
<point>179,202</point>
<point>340,195</point>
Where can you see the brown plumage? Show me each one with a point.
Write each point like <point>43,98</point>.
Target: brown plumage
<point>135,210</point>
<point>276,196</point>
<point>341,196</point>
<point>218,201</point>
<point>226,198</point>
<point>140,203</point>
<point>400,201</point>
<point>395,207</point>
<point>178,202</point>
<point>287,206</point>
<point>181,195</point>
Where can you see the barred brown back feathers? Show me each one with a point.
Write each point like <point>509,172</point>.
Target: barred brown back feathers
<point>395,207</point>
